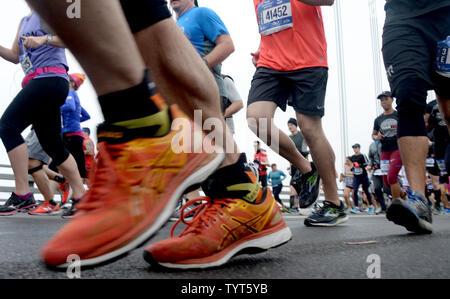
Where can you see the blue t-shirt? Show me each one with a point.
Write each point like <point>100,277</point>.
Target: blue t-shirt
<point>276,177</point>
<point>73,114</point>
<point>202,26</point>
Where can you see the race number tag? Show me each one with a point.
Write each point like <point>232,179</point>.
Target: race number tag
<point>430,162</point>
<point>378,172</point>
<point>357,171</point>
<point>384,166</point>
<point>26,64</point>
<point>274,16</point>
<point>442,168</point>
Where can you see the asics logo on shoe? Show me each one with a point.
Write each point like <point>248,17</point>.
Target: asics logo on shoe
<point>252,225</point>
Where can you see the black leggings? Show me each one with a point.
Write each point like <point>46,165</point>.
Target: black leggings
<point>37,104</point>
<point>75,146</point>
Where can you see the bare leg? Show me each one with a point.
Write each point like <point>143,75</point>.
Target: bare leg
<point>414,153</point>
<point>174,62</point>
<point>69,170</point>
<point>41,180</point>
<point>347,197</point>
<point>322,154</point>
<point>397,192</point>
<point>19,163</point>
<point>265,110</point>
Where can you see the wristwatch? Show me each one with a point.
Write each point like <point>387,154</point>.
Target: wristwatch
<point>49,40</point>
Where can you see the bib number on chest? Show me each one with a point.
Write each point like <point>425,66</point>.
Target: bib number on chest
<point>430,162</point>
<point>26,64</point>
<point>274,16</point>
<point>357,171</point>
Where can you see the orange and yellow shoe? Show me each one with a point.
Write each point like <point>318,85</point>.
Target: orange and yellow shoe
<point>45,209</point>
<point>137,182</point>
<point>221,229</point>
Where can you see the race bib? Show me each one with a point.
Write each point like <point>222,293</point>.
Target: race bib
<point>384,166</point>
<point>26,64</point>
<point>430,162</point>
<point>378,172</point>
<point>442,168</point>
<point>357,171</point>
<point>274,16</point>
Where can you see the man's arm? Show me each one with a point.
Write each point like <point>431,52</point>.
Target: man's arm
<point>255,56</point>
<point>318,2</point>
<point>234,108</point>
<point>224,47</point>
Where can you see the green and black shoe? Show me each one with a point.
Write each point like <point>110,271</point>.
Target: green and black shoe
<point>327,215</point>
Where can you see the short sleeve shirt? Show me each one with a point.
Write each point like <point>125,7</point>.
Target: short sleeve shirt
<point>202,26</point>
<point>301,46</point>
<point>388,126</point>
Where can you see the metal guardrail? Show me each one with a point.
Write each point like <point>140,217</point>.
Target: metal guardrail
<point>284,195</point>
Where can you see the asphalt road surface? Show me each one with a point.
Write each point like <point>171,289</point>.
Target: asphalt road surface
<point>312,253</point>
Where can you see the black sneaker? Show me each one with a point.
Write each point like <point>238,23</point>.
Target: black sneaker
<point>414,213</point>
<point>308,188</point>
<point>16,204</point>
<point>327,215</point>
<point>70,212</point>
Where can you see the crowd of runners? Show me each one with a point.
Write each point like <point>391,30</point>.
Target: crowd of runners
<point>150,71</point>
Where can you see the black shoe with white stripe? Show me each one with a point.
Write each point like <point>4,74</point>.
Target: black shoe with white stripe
<point>327,215</point>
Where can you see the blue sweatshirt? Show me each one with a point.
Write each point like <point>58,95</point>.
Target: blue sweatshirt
<point>73,114</point>
<point>276,177</point>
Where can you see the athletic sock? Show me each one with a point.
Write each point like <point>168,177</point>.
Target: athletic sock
<point>26,196</point>
<point>59,179</point>
<point>132,108</point>
<point>53,203</point>
<point>233,181</point>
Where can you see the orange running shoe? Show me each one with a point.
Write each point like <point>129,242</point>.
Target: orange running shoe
<point>65,191</point>
<point>45,209</point>
<point>137,182</point>
<point>221,229</point>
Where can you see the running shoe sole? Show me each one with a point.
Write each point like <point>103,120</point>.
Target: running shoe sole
<point>46,214</point>
<point>21,210</point>
<point>338,221</point>
<point>403,215</point>
<point>195,178</point>
<point>251,245</point>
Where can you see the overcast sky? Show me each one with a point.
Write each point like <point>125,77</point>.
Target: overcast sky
<point>239,17</point>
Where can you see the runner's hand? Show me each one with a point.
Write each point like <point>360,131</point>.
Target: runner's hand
<point>33,42</point>
<point>255,58</point>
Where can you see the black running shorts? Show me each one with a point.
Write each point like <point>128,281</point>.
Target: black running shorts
<point>302,89</point>
<point>409,49</point>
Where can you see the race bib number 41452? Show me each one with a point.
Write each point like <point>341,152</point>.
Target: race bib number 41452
<point>274,16</point>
